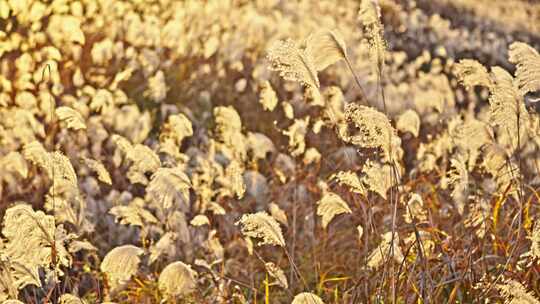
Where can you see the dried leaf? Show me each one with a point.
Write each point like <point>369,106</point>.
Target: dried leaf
<point>234,174</point>
<point>14,162</point>
<point>409,121</point>
<point>307,298</point>
<point>24,228</point>
<point>351,180</point>
<point>157,88</point>
<point>278,214</point>
<point>293,63</point>
<point>268,97</point>
<point>311,156</point>
<point>99,168</point>
<point>378,177</point>
<point>166,244</point>
<point>472,73</point>
<point>331,205</point>
<point>370,18</point>
<point>372,129</point>
<point>515,293</point>
<point>177,280</point>
<point>297,133</point>
<point>169,186</point>
<point>133,214</point>
<point>360,231</point>
<point>535,241</point>
<point>65,28</point>
<point>527,61</point>
<point>277,273</point>
<point>200,220</point>
<point>506,105</point>
<point>176,128</point>
<point>120,264</point>
<point>71,299</point>
<point>73,118</point>
<point>383,252</point>
<point>51,162</point>
<point>327,47</point>
<point>263,226</point>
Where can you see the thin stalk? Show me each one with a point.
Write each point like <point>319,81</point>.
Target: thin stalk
<point>357,79</point>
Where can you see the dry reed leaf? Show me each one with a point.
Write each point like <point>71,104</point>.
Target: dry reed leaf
<point>472,73</point>
<point>166,244</point>
<point>260,145</point>
<point>409,121</point>
<point>458,179</point>
<point>120,264</point>
<point>382,253</point>
<point>71,299</point>
<point>65,28</point>
<point>515,293</point>
<point>307,298</point>
<point>497,162</point>
<point>176,128</point>
<point>14,162</point>
<point>331,205</point>
<point>527,61</point>
<point>506,105</point>
<point>534,251</point>
<point>99,168</point>
<point>378,177</point>
<point>278,213</point>
<point>293,63</point>
<point>157,88</point>
<point>415,209</point>
<point>143,160</point>
<point>24,228</point>
<point>229,130</point>
<point>370,18</point>
<point>51,162</point>
<point>177,280</point>
<point>297,134</point>
<point>122,143</point>
<point>351,180</point>
<point>200,220</point>
<point>249,245</point>
<point>134,214</point>
<point>327,47</point>
<point>311,156</point>
<point>234,173</point>
<point>277,273</point>
<point>288,109</point>
<point>169,186</point>
<point>73,118</point>
<point>263,226</point>
<point>214,245</point>
<point>268,97</point>
<point>372,129</point>
<point>216,208</point>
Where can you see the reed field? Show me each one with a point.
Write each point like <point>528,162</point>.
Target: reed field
<point>269,151</point>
